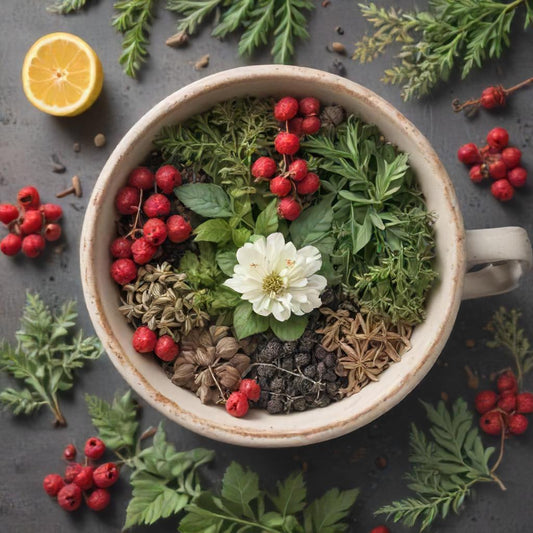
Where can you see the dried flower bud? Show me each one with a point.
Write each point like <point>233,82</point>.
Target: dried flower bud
<point>183,373</point>
<point>228,376</point>
<point>332,116</point>
<point>207,395</point>
<point>241,362</point>
<point>227,347</point>
<point>218,332</point>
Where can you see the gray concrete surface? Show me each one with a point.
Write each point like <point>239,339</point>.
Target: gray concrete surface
<point>31,448</point>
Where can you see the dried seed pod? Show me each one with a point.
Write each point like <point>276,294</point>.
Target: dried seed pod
<point>339,48</point>
<point>178,39</point>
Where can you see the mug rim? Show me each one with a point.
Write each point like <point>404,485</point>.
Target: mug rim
<point>102,325</point>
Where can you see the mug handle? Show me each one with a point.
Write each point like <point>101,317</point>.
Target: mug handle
<point>502,256</point>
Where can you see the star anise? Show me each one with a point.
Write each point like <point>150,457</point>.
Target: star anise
<point>211,363</point>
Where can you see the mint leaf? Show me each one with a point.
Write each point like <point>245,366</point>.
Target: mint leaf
<point>206,199</point>
<point>226,260</point>
<point>325,513</point>
<point>312,225</point>
<point>267,221</point>
<point>117,422</point>
<point>215,230</point>
<point>290,498</point>
<point>291,329</point>
<point>240,486</point>
<point>240,236</point>
<point>246,322</point>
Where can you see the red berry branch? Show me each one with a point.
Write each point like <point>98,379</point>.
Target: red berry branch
<point>491,97</point>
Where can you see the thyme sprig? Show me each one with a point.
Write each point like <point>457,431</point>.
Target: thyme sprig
<point>44,360</point>
<point>64,7</point>
<point>446,465</point>
<point>508,334</point>
<point>133,19</point>
<point>463,33</point>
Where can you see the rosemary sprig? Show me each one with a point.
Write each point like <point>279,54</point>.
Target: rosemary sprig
<point>64,7</point>
<point>133,20</point>
<point>446,465</point>
<point>43,360</point>
<point>508,334</point>
<point>464,33</point>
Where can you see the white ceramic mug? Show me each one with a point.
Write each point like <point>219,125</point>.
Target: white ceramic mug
<point>504,253</point>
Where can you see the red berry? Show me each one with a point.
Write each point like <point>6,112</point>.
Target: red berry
<point>295,126</point>
<point>311,125</point>
<point>141,178</point>
<point>380,529</point>
<point>52,232</point>
<point>69,497</point>
<point>105,475</point>
<point>94,448</point>
<point>99,499</point>
<point>8,213</point>
<point>144,340</point>
<point>179,230</point>
<point>309,106</point>
<point>289,208</point>
<point>498,138</point>
<point>502,190</point>
<point>237,404</point>
<point>69,453</point>
<point>485,401</point>
<point>123,271</point>
<point>11,244</point>
<point>476,173</point>
<point>33,245</point>
<point>84,479</point>
<point>280,186</point>
<point>511,156</point>
<point>517,177</point>
<point>52,484</point>
<point>469,154</point>
<point>309,185</point>
<point>507,401</point>
<point>71,471</point>
<point>251,389</point>
<point>286,108</point>
<point>143,251</point>
<point>524,402</point>
<point>507,382</point>
<point>492,97</point>
<point>51,212</point>
<point>298,169</point>
<point>156,205</point>
<point>28,198</point>
<point>286,143</point>
<point>491,423</point>
<point>166,349</point>
<point>517,424</point>
<point>167,178</point>
<point>121,248</point>
<point>127,200</point>
<point>32,222</point>
<point>497,170</point>
<point>264,168</point>
<point>155,231</point>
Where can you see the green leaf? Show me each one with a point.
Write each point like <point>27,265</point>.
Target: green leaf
<point>226,260</point>
<point>289,330</point>
<point>240,236</point>
<point>291,494</point>
<point>326,513</point>
<point>215,230</point>
<point>312,225</point>
<point>361,233</point>
<point>267,221</point>
<point>64,7</point>
<point>246,322</point>
<point>240,486</point>
<point>206,199</point>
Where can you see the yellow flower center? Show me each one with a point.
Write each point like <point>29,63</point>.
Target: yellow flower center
<point>273,284</point>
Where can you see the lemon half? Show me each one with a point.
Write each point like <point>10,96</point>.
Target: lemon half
<point>62,75</point>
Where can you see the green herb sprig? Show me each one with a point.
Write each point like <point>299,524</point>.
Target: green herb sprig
<point>133,19</point>
<point>446,465</point>
<point>463,33</point>
<point>64,7</point>
<point>259,21</point>
<point>45,358</point>
<point>508,334</point>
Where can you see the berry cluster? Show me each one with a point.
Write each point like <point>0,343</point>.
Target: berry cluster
<point>30,225</point>
<point>504,411</point>
<point>293,179</point>
<point>153,222</point>
<point>83,481</point>
<point>238,402</point>
<point>496,160</point>
<point>146,341</point>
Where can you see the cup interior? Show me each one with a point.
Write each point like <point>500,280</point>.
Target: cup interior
<point>259,428</point>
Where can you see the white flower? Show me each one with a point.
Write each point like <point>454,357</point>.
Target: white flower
<point>278,279</point>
